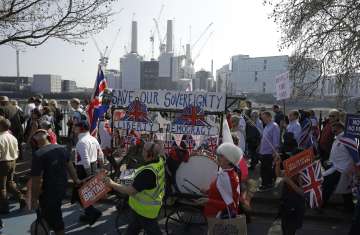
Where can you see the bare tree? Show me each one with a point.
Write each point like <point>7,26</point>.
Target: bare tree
<point>326,30</point>
<point>33,22</point>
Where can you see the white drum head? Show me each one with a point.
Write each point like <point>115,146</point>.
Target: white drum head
<point>197,173</point>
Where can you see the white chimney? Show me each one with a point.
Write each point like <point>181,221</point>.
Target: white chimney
<point>169,36</point>
<point>134,37</point>
<point>188,54</point>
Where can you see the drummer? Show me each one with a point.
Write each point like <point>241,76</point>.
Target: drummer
<point>224,192</point>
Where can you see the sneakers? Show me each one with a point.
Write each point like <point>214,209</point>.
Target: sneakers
<point>264,188</point>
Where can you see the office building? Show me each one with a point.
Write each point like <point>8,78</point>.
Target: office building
<point>46,83</point>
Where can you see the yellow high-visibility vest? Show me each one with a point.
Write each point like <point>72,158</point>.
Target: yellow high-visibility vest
<point>147,203</point>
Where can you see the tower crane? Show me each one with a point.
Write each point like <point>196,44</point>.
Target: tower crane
<point>152,32</point>
<point>104,55</point>
<point>201,35</point>
<point>162,45</point>
<point>202,47</point>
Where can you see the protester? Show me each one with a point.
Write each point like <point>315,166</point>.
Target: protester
<point>292,207</point>
<point>279,115</point>
<point>269,145</point>
<point>45,125</point>
<point>29,107</point>
<point>38,102</point>
<point>306,138</point>
<point>254,129</point>
<point>255,118</point>
<point>16,119</point>
<point>327,136</point>
<point>224,192</point>
<point>47,115</point>
<point>314,125</point>
<point>239,127</point>
<point>343,158</point>
<point>149,180</point>
<point>294,125</point>
<point>88,155</point>
<point>8,156</point>
<point>58,116</point>
<point>76,115</point>
<point>16,104</point>
<point>50,164</point>
<point>33,124</point>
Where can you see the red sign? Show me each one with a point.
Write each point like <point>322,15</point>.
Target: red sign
<point>93,190</point>
<point>298,162</point>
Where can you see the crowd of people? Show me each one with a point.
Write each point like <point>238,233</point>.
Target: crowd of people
<point>259,137</point>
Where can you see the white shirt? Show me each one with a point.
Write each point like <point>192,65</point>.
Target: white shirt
<point>240,132</point>
<point>340,157</point>
<point>295,128</point>
<point>88,150</point>
<point>8,147</point>
<point>28,109</point>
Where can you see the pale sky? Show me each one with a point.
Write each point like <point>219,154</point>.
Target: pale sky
<point>240,27</point>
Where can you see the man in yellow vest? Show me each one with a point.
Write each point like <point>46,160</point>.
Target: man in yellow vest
<point>146,192</point>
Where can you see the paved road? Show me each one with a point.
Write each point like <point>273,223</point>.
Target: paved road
<point>18,224</point>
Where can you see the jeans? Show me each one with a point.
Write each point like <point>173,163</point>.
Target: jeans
<point>138,222</point>
<point>7,184</point>
<point>267,170</point>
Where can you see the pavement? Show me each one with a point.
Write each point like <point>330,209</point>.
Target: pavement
<point>18,223</point>
<point>265,207</point>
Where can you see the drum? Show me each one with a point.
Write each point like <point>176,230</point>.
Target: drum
<point>196,174</point>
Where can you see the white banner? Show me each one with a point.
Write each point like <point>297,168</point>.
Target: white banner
<point>137,126</point>
<point>283,90</point>
<point>163,99</point>
<point>193,130</point>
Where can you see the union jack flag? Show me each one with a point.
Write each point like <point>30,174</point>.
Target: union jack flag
<point>192,115</point>
<point>137,112</point>
<point>312,179</point>
<point>305,140</point>
<point>96,109</point>
<point>352,147</point>
<point>190,144</point>
<point>168,145</point>
<point>212,143</point>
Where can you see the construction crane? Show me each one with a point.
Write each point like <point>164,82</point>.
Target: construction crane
<point>104,55</point>
<point>161,44</point>
<point>152,32</point>
<point>201,35</point>
<point>202,47</point>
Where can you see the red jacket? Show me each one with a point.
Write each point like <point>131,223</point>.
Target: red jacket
<point>326,138</point>
<point>216,203</point>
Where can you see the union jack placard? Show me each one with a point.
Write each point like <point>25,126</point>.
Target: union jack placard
<point>192,115</point>
<point>312,179</point>
<point>137,112</point>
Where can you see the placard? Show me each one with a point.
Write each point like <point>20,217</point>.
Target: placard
<point>137,126</point>
<point>192,130</point>
<point>298,162</point>
<point>352,125</point>
<point>93,190</point>
<point>282,84</point>
<point>163,99</point>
